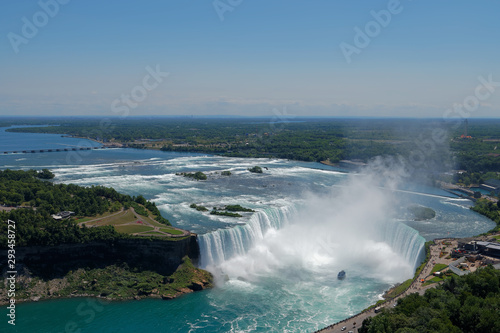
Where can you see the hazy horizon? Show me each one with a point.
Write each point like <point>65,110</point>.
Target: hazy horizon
<point>395,59</point>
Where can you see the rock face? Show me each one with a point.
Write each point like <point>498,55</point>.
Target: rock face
<point>157,255</point>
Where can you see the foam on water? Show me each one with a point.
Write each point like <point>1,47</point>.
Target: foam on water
<point>224,244</point>
<point>318,238</point>
<point>278,269</point>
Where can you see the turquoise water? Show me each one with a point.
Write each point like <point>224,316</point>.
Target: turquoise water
<point>481,190</point>
<point>275,269</point>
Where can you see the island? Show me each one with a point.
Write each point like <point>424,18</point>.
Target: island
<point>457,305</point>
<point>228,210</point>
<point>75,241</point>
<point>422,213</point>
<point>255,169</point>
<point>197,175</point>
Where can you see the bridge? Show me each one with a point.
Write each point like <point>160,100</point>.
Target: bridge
<point>52,150</point>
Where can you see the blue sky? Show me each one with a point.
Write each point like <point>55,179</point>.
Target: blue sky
<point>86,57</point>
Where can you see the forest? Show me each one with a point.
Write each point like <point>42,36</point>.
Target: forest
<point>488,209</point>
<point>427,143</point>
<point>461,304</point>
<point>469,178</point>
<point>39,199</point>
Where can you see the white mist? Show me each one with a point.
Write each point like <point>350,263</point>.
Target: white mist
<point>349,229</point>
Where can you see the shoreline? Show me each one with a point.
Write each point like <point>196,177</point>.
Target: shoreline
<point>110,299</point>
<point>181,293</point>
<point>94,283</point>
<point>417,286</point>
<point>359,317</point>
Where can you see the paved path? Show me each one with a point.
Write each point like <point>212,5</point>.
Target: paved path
<point>157,229</point>
<point>102,218</point>
<point>143,222</point>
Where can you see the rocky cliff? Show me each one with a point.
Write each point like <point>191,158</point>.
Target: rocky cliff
<point>161,256</point>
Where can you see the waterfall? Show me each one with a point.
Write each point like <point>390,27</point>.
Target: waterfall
<point>290,241</point>
<point>223,244</point>
<point>405,241</point>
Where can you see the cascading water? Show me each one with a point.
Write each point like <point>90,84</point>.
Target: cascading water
<point>405,241</point>
<point>223,244</point>
<point>286,278</point>
<point>274,238</point>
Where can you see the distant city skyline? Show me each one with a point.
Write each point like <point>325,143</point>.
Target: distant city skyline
<point>250,58</point>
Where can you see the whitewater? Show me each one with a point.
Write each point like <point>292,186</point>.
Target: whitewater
<point>275,269</point>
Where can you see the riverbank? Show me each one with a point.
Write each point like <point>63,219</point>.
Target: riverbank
<point>438,259</point>
<point>115,283</point>
<point>355,321</point>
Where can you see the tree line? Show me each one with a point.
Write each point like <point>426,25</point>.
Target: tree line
<point>42,198</point>
<point>461,304</point>
<point>304,139</point>
<point>488,209</point>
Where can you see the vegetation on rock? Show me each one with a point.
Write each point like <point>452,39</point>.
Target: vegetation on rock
<point>255,169</point>
<point>215,212</point>
<point>422,213</point>
<point>197,175</point>
<point>199,208</point>
<point>113,282</point>
<point>238,208</point>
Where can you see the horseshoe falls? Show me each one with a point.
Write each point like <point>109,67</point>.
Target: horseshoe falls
<point>405,241</point>
<point>275,269</point>
<point>223,244</point>
<point>318,237</point>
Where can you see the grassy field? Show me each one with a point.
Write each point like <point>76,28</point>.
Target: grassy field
<point>152,233</point>
<point>121,218</point>
<point>437,279</point>
<point>171,231</point>
<point>132,229</point>
<point>130,222</point>
<point>83,219</point>
<point>399,289</point>
<point>438,267</point>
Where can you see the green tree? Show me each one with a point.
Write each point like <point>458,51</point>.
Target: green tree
<point>255,169</point>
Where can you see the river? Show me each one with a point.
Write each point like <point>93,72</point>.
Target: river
<point>276,268</point>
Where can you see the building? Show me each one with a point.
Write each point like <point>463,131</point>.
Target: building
<point>62,215</point>
<point>492,185</point>
<point>473,248</point>
<point>489,249</point>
